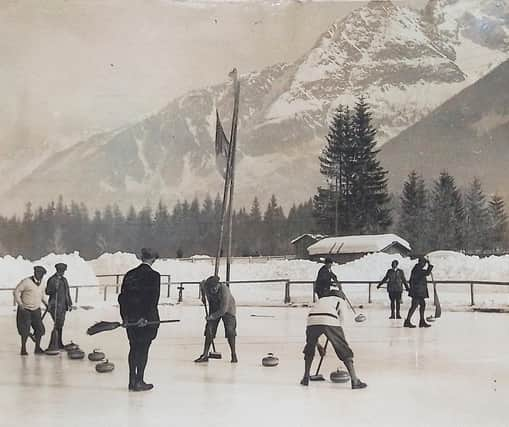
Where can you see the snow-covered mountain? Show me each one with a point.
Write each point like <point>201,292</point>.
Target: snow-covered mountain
<point>468,136</point>
<point>406,62</point>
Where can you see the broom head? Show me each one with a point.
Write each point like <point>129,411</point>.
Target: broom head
<point>102,327</point>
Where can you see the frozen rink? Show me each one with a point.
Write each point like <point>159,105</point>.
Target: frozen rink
<point>453,374</point>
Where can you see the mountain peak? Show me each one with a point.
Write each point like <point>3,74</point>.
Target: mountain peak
<point>404,64</point>
<point>381,4</point>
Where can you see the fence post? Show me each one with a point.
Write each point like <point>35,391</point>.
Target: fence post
<point>117,280</point>
<point>472,293</point>
<point>369,293</point>
<point>287,292</point>
<point>180,288</point>
<point>76,295</point>
<point>168,290</point>
<point>105,292</point>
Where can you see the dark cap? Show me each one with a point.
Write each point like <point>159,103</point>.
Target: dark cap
<point>211,281</point>
<point>328,260</point>
<point>60,267</point>
<point>39,269</point>
<point>147,253</point>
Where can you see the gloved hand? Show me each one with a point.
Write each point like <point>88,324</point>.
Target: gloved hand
<point>141,323</point>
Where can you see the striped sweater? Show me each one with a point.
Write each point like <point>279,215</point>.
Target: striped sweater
<point>327,311</point>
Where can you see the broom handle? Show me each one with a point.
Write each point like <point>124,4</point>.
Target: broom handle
<point>350,304</point>
<point>322,357</point>
<point>207,314</point>
<point>152,322</point>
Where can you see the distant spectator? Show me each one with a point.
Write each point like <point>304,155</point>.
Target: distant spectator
<point>419,292</point>
<point>395,279</point>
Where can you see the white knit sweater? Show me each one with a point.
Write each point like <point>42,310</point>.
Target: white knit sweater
<point>327,311</point>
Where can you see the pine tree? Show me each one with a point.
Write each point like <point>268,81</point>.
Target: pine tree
<point>477,220</point>
<point>498,223</point>
<point>369,185</point>
<point>273,221</point>
<point>355,198</point>
<point>162,229</point>
<point>255,228</point>
<point>447,214</point>
<point>413,224</point>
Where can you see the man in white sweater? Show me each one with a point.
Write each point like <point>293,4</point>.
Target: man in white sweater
<point>326,318</point>
<point>29,295</point>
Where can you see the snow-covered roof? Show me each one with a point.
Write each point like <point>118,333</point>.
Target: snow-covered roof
<point>356,244</point>
<point>314,236</point>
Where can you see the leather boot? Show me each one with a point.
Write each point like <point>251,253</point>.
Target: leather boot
<point>408,324</point>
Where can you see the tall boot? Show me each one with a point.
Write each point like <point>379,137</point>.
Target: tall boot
<point>38,349</point>
<point>23,351</point>
<point>307,368</point>
<point>231,342</point>
<point>132,366</point>
<point>60,342</point>
<point>355,381</point>
<point>141,363</point>
<point>422,323</point>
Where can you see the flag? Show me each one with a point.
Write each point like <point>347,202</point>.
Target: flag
<point>222,147</point>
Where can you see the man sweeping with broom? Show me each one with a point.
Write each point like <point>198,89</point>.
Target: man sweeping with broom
<point>222,306</point>
<point>138,301</point>
<point>326,318</point>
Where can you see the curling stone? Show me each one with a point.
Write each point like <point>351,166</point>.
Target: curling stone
<point>104,366</point>
<point>96,356</point>
<point>71,346</point>
<point>339,376</point>
<point>52,352</point>
<point>360,318</point>
<point>270,360</point>
<point>76,354</point>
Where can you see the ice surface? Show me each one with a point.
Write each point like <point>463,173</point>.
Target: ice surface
<point>453,374</point>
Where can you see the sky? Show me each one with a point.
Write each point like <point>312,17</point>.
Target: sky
<point>72,68</point>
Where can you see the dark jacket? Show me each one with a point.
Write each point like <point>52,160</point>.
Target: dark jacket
<point>57,288</point>
<point>324,280</point>
<point>221,303</point>
<point>395,280</point>
<point>138,299</point>
<point>418,281</point>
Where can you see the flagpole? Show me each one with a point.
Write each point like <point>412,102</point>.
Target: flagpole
<point>227,181</point>
<point>233,145</point>
<point>223,211</point>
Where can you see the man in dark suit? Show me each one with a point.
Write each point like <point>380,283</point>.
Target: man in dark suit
<point>325,279</point>
<point>138,301</point>
<point>60,302</point>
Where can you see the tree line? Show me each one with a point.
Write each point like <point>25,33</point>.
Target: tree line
<point>353,200</point>
<point>188,228</point>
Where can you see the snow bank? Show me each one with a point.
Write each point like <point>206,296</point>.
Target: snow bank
<point>13,270</point>
<point>448,266</point>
